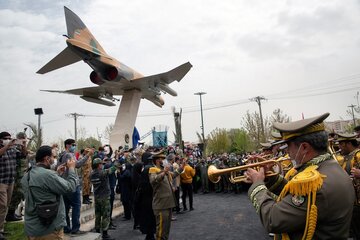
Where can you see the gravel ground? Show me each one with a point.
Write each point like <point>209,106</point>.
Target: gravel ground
<point>216,216</point>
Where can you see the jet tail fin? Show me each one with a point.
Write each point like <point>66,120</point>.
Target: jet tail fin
<point>65,58</point>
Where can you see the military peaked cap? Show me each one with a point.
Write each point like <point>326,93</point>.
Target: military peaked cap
<point>157,155</point>
<point>346,137</point>
<point>302,127</point>
<point>266,146</point>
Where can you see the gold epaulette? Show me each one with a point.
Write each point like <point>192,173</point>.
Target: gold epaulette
<point>154,170</point>
<point>305,183</point>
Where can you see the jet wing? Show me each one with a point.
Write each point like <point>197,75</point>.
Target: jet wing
<point>91,91</point>
<point>165,78</point>
<point>101,94</point>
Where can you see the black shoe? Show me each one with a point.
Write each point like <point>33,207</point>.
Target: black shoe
<point>111,227</point>
<point>86,201</point>
<point>149,237</point>
<point>106,236</point>
<point>191,209</point>
<point>79,232</point>
<point>112,224</point>
<point>185,209</point>
<point>13,218</point>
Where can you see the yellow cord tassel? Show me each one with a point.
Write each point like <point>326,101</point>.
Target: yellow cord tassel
<point>306,183</point>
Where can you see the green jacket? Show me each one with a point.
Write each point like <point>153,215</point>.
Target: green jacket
<point>46,185</point>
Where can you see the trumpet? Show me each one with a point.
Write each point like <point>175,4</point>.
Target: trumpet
<point>214,173</point>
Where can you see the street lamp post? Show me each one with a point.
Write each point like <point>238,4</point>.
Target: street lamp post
<point>202,118</point>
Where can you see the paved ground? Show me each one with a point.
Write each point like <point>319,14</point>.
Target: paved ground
<point>216,216</point>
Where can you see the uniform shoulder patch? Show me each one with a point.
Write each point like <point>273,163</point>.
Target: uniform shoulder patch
<point>154,170</point>
<point>297,200</point>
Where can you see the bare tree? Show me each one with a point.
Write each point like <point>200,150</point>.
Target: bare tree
<point>107,132</point>
<point>252,125</point>
<point>36,138</point>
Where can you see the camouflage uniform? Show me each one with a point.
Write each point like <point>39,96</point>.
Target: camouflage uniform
<point>86,170</point>
<point>17,196</point>
<point>99,179</point>
<point>102,213</point>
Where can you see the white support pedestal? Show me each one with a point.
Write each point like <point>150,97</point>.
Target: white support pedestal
<point>122,132</point>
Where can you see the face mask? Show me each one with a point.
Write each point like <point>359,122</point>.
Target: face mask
<point>298,163</point>
<point>53,165</point>
<point>72,149</point>
<point>6,141</point>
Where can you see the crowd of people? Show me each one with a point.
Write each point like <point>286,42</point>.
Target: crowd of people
<point>314,193</point>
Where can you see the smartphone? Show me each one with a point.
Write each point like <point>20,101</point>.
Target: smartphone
<point>19,142</point>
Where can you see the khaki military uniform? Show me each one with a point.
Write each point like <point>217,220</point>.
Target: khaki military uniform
<point>313,201</point>
<point>347,162</point>
<point>163,200</point>
<point>290,213</point>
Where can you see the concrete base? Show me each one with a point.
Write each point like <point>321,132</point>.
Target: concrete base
<point>122,132</point>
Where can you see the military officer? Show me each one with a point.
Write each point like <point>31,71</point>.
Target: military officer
<point>100,181</point>
<point>163,196</point>
<point>350,162</point>
<point>313,201</point>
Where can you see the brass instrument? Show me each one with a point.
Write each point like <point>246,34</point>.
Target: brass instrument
<point>214,173</point>
<point>356,183</point>
<point>331,149</point>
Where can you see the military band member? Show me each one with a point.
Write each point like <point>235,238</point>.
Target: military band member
<point>350,162</point>
<point>357,130</point>
<point>313,201</point>
<point>163,196</point>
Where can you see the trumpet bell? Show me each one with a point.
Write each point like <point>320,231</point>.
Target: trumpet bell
<point>213,177</point>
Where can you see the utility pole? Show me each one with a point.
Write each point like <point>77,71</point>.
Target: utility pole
<point>352,112</point>
<point>202,118</point>
<point>258,100</point>
<point>75,116</point>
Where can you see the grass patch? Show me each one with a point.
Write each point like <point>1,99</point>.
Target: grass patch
<point>15,231</point>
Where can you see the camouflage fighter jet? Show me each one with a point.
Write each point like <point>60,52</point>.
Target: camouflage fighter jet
<point>111,76</point>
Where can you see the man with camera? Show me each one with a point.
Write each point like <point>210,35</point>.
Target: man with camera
<point>42,186</point>
<point>73,200</point>
<point>21,167</point>
<point>7,175</point>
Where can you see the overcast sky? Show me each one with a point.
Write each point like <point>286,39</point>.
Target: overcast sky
<point>303,56</point>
